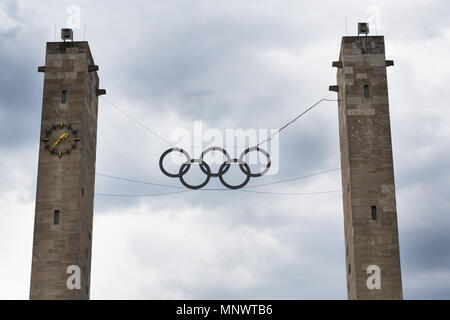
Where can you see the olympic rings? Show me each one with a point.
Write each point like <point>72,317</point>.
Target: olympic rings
<point>254,175</point>
<point>172,175</point>
<point>205,168</point>
<point>188,165</point>
<point>241,163</point>
<point>213,149</point>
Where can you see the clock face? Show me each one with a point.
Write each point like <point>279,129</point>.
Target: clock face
<point>60,139</point>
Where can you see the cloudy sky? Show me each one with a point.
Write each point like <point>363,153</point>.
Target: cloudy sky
<point>230,64</point>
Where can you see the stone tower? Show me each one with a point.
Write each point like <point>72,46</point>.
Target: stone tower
<point>370,217</point>
<point>62,240</point>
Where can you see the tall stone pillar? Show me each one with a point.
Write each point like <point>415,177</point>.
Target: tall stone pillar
<point>62,240</point>
<point>370,215</point>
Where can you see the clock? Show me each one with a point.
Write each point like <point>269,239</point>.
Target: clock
<point>60,139</point>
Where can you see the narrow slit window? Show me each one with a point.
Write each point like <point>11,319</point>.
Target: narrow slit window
<point>349,268</point>
<point>63,96</point>
<point>374,212</point>
<point>366,91</point>
<point>56,217</point>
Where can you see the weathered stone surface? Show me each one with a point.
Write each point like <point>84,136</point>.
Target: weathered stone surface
<point>67,183</point>
<point>367,169</point>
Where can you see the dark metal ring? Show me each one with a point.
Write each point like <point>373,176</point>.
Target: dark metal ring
<point>185,168</point>
<point>181,172</point>
<point>215,149</point>
<point>245,168</point>
<point>248,172</point>
<point>221,172</point>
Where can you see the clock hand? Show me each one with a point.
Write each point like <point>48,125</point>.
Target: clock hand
<point>61,138</point>
<point>56,143</point>
<point>64,136</point>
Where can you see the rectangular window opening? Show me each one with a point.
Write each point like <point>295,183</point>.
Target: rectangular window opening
<point>366,91</point>
<point>349,268</point>
<point>63,96</point>
<point>56,217</point>
<point>374,212</point>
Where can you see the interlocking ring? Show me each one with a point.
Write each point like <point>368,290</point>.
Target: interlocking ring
<point>180,173</point>
<point>254,175</point>
<point>214,149</point>
<point>203,164</point>
<point>241,163</point>
<point>204,167</point>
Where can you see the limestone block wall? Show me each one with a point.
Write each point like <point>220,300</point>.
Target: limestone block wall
<point>65,183</point>
<point>367,169</point>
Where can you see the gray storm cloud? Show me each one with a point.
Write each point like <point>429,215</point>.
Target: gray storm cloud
<point>230,64</point>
